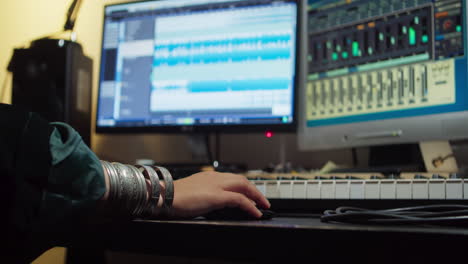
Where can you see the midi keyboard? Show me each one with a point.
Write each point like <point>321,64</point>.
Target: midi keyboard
<point>314,191</point>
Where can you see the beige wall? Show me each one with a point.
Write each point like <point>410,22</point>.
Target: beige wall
<point>24,20</point>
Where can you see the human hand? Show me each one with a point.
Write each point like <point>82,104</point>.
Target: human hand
<point>207,191</point>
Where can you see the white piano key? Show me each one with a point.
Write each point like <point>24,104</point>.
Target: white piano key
<point>437,189</point>
<point>465,189</point>
<point>365,189</point>
<point>387,189</point>
<point>285,189</point>
<point>420,189</point>
<point>356,189</point>
<point>341,189</point>
<point>272,190</point>
<point>313,189</point>
<point>454,189</point>
<point>261,186</point>
<point>299,190</point>
<point>403,189</point>
<point>327,189</point>
<point>372,189</point>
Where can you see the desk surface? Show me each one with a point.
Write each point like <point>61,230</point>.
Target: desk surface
<point>284,238</point>
<point>311,223</point>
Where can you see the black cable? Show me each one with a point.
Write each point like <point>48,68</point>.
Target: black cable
<point>446,214</point>
<point>431,208</point>
<point>72,14</point>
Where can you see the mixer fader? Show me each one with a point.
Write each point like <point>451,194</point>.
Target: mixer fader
<point>402,87</point>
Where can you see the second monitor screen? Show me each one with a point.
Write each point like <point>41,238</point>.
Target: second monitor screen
<point>373,60</point>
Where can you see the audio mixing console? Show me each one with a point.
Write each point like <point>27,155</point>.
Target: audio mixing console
<point>369,57</point>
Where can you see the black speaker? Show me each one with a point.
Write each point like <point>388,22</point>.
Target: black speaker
<point>54,78</point>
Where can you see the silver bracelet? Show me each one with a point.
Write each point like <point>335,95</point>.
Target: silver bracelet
<point>142,191</point>
<point>106,167</point>
<point>128,189</point>
<point>116,189</point>
<point>169,189</point>
<point>155,190</point>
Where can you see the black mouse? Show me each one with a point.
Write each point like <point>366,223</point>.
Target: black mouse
<point>237,214</point>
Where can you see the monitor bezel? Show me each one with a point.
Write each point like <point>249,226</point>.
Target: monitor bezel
<point>216,128</point>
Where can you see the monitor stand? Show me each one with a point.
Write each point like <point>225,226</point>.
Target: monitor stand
<point>205,154</point>
<point>394,159</point>
<point>199,146</point>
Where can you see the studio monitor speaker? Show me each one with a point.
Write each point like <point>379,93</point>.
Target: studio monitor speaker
<point>54,78</point>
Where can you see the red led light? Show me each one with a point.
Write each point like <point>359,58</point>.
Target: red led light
<point>269,134</point>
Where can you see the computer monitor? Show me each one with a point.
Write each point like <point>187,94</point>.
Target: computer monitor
<point>384,72</point>
<point>199,66</point>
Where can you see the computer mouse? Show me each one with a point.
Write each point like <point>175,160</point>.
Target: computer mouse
<point>237,214</point>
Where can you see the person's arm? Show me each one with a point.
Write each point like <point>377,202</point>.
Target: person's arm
<point>195,195</point>
<point>52,180</point>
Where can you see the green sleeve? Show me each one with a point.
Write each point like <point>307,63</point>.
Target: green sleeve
<point>51,182</point>
<point>75,186</point>
<point>76,180</point>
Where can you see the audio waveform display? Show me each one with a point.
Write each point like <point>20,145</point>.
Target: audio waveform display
<point>267,84</point>
<point>233,49</point>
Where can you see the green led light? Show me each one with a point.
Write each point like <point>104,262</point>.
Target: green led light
<point>412,36</point>
<point>416,20</point>
<point>370,51</point>
<point>338,48</point>
<point>355,48</point>
<point>329,44</point>
<point>404,30</point>
<point>285,119</point>
<point>335,56</point>
<point>392,40</point>
<point>188,121</point>
<point>381,36</point>
<point>344,55</point>
<point>425,39</point>
<point>458,28</point>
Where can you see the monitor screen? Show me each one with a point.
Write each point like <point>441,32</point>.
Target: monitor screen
<point>189,65</point>
<point>386,71</point>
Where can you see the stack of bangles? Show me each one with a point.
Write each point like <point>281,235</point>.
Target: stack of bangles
<point>136,190</point>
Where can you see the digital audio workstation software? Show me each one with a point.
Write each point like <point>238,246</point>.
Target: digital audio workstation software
<point>382,59</point>
<point>198,62</point>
